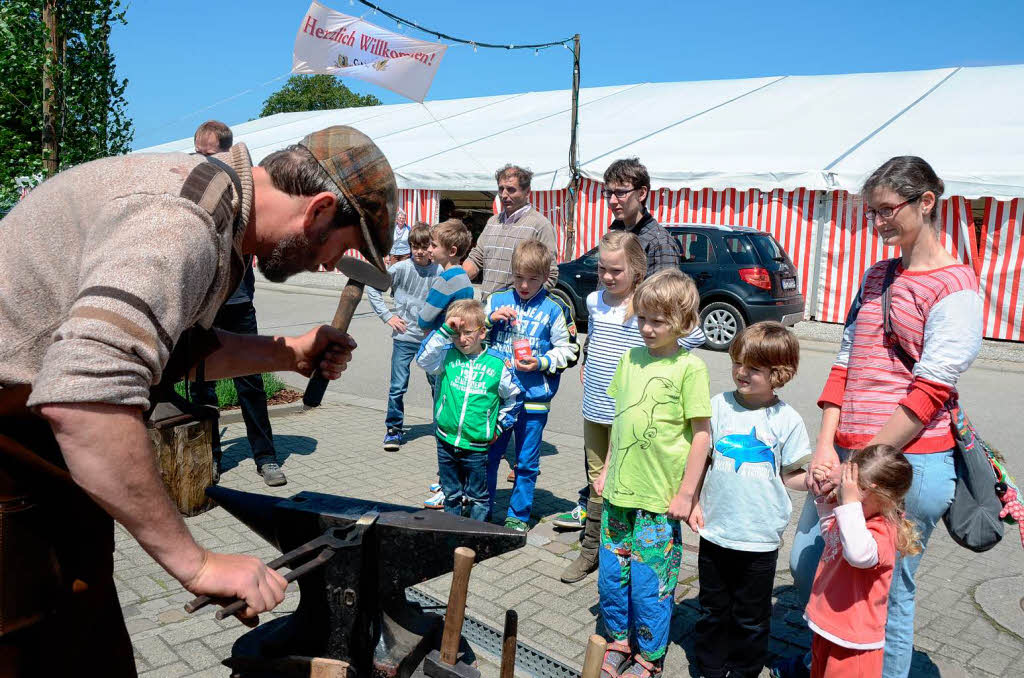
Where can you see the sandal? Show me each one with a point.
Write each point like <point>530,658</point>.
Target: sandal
<point>642,668</point>
<point>616,656</point>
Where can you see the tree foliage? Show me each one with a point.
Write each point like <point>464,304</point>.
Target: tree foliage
<point>314,93</point>
<point>91,120</point>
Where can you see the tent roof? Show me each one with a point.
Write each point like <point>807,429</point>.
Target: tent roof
<point>820,132</point>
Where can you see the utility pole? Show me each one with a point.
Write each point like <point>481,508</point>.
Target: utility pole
<point>574,180</point>
<point>51,107</point>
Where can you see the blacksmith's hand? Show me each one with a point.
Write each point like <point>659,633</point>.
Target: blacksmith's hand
<point>225,575</point>
<point>331,347</point>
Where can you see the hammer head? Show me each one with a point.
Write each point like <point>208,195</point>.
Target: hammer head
<point>364,272</point>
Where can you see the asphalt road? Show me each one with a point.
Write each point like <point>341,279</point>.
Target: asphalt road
<point>991,391</point>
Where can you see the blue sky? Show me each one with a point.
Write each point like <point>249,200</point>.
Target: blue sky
<point>183,56</point>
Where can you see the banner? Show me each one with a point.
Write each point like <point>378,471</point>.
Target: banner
<point>333,43</point>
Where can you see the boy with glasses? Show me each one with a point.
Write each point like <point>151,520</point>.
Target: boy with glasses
<point>626,187</point>
<point>477,398</point>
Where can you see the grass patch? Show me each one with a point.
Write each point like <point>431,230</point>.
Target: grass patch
<point>227,396</point>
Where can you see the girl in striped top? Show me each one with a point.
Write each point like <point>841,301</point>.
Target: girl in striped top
<point>871,397</point>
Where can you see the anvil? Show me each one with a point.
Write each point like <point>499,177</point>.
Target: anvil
<point>353,608</point>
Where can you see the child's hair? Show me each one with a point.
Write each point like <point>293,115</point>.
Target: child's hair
<point>672,294</point>
<point>531,256</point>
<point>886,473</point>
<point>636,259</point>
<point>769,345</point>
<point>466,310</point>
<point>453,233</point>
<point>419,235</point>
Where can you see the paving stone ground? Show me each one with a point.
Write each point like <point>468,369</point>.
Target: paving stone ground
<point>336,449</point>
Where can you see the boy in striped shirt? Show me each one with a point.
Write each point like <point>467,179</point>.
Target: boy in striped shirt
<point>449,243</point>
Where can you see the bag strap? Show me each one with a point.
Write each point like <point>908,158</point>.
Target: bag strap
<point>890,338</point>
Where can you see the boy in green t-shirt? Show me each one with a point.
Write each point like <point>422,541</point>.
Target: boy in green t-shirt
<point>662,409</point>
<point>476,398</point>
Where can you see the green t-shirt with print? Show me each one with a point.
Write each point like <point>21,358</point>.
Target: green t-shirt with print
<point>655,399</point>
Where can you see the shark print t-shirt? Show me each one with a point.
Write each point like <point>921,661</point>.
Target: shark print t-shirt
<point>655,399</point>
<point>746,506</point>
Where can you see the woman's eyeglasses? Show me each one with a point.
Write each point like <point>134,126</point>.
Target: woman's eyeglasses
<point>888,212</point>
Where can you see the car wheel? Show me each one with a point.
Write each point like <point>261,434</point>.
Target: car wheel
<point>567,300</point>
<point>721,323</point>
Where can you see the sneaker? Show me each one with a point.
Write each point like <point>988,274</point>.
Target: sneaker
<point>575,519</point>
<point>393,440</point>
<point>516,524</point>
<point>789,667</point>
<point>272,474</point>
<point>216,473</point>
<point>436,487</point>
<point>435,501</point>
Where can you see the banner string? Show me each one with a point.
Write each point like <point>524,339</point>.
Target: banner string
<point>215,104</point>
<point>474,43</point>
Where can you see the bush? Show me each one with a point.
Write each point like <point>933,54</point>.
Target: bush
<point>228,397</point>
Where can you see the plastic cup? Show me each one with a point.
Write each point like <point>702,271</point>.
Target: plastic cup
<point>521,349</point>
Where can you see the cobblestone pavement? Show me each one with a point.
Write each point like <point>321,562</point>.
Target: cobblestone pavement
<point>327,450</point>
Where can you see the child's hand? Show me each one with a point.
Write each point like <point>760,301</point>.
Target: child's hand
<point>507,313</point>
<point>528,364</point>
<point>397,324</point>
<point>455,324</point>
<point>849,485</point>
<point>680,508</point>
<point>599,483</point>
<point>824,477</point>
<point>696,519</point>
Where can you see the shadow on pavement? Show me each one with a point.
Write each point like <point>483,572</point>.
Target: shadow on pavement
<point>237,450</point>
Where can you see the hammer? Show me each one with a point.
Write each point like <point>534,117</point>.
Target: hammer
<point>360,274</point>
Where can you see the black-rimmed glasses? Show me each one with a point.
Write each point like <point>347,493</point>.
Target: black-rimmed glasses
<point>619,193</point>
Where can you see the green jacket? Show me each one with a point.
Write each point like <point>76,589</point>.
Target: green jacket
<point>476,397</point>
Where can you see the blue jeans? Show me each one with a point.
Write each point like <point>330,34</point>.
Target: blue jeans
<point>528,428</point>
<point>463,475</point>
<point>930,495</point>
<point>402,355</point>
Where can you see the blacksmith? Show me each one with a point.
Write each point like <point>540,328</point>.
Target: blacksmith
<point>111,274</point>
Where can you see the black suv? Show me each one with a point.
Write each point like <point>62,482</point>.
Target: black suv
<point>743,276</point>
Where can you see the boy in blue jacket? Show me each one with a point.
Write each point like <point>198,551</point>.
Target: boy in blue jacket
<point>527,314</point>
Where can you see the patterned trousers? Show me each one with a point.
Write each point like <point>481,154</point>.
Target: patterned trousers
<point>639,567</point>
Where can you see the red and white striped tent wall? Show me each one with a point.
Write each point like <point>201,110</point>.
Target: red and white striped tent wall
<point>416,205</point>
<point>1001,268</point>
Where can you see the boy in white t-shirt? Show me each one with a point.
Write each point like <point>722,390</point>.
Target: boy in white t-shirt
<point>759,445</point>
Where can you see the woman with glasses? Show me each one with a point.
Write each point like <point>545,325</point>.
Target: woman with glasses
<point>875,395</point>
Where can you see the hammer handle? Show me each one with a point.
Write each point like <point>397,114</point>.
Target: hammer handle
<point>350,297</point>
<point>456,612</point>
<point>594,657</point>
<point>508,645</point>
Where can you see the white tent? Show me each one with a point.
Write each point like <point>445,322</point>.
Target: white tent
<point>815,132</point>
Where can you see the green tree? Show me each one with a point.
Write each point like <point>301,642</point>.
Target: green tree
<point>314,93</point>
<point>91,121</point>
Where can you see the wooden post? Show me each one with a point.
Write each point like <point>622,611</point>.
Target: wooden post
<point>569,216</point>
<point>456,612</point>
<point>594,657</point>
<point>51,107</point>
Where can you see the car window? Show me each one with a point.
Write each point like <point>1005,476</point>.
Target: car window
<point>696,248</point>
<point>741,250</point>
<point>768,247</point>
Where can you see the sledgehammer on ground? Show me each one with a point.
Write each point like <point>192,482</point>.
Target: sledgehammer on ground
<point>360,274</point>
<point>445,663</point>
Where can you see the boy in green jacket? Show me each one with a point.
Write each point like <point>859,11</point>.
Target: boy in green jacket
<point>476,398</point>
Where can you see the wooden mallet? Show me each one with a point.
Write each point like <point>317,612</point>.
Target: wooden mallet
<point>360,274</point>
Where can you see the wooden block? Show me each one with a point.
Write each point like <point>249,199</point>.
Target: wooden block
<point>184,455</point>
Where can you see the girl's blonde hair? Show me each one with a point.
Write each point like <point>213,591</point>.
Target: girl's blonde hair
<point>672,294</point>
<point>886,473</point>
<point>636,259</point>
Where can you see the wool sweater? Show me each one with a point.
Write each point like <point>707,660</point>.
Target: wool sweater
<point>493,252</point>
<point>105,265</point>
<point>937,317</point>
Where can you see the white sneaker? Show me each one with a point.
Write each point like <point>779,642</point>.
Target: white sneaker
<point>436,501</point>
<point>436,487</point>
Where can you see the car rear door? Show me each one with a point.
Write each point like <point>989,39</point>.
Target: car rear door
<point>698,260</point>
<point>780,267</point>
